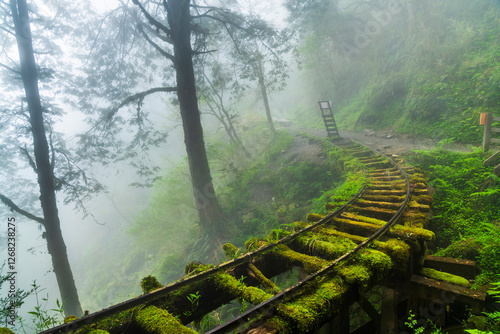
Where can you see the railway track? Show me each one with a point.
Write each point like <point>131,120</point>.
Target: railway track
<point>377,233</point>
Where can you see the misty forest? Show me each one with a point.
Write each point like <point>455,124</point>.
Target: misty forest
<point>148,142</point>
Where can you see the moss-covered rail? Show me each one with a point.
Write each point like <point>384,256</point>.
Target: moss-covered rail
<point>377,236</point>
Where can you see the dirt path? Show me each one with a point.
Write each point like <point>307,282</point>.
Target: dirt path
<point>387,143</point>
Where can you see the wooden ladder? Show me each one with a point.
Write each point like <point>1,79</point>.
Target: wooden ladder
<point>327,113</point>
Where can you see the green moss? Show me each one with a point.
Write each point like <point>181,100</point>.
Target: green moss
<point>314,217</point>
<point>468,249</point>
<point>445,277</point>
<point>320,299</point>
<point>99,331</point>
<point>70,318</point>
<point>398,250</point>
<point>278,234</point>
<point>413,232</point>
<point>150,283</point>
<point>238,289</point>
<point>231,251</point>
<point>378,262</point>
<point>5,330</point>
<point>356,274</point>
<point>253,244</point>
<point>116,323</point>
<point>373,221</point>
<point>196,267</point>
<point>157,321</point>
<point>330,248</point>
<point>266,283</point>
<point>278,324</point>
<point>298,225</point>
<point>310,264</point>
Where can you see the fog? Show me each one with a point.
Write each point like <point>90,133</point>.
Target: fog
<point>375,63</point>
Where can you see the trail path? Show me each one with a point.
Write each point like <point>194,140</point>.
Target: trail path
<point>387,143</point>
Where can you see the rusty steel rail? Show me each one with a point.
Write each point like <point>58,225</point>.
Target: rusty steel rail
<point>266,305</point>
<point>270,303</point>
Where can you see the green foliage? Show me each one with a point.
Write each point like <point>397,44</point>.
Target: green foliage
<point>489,322</point>
<point>431,81</point>
<point>466,205</point>
<point>275,189</point>
<point>42,319</point>
<point>194,300</point>
<point>413,325</point>
<point>150,283</point>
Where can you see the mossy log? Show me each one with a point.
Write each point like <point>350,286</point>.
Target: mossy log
<point>389,192</point>
<point>445,277</point>
<point>237,289</point>
<point>415,219</point>
<point>117,323</point>
<point>270,287</point>
<point>386,172</point>
<point>309,310</point>
<point>387,198</point>
<point>314,217</point>
<point>398,250</point>
<point>373,212</point>
<point>385,177</point>
<point>396,231</point>
<point>377,204</point>
<point>153,320</point>
<point>327,247</point>
<point>372,159</point>
<point>309,264</point>
<point>356,217</point>
<point>378,165</point>
<point>423,199</point>
<point>413,205</point>
<point>388,186</point>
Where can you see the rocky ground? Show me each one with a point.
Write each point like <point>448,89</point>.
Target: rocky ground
<point>388,143</point>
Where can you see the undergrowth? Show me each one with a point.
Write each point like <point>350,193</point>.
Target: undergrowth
<point>466,206</point>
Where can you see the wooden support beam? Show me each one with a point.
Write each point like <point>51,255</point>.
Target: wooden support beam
<point>464,268</point>
<point>340,324</point>
<point>441,292</point>
<point>371,311</point>
<point>389,318</point>
<point>493,160</point>
<point>487,132</point>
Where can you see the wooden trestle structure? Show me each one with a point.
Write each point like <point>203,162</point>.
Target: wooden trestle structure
<point>377,239</point>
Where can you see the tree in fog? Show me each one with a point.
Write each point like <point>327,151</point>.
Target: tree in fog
<point>27,120</point>
<point>219,90</point>
<point>157,43</point>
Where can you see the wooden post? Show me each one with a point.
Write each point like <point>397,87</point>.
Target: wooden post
<point>340,324</point>
<point>389,312</point>
<point>487,132</point>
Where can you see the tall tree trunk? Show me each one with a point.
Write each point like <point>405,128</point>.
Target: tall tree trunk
<point>212,220</point>
<point>55,242</point>
<point>263,90</point>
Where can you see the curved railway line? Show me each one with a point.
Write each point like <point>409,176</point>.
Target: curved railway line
<point>378,235</point>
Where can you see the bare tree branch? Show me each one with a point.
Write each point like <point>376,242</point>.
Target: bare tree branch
<point>129,100</point>
<point>24,150</point>
<point>157,34</point>
<point>8,31</point>
<point>151,20</point>
<point>10,68</point>
<point>14,207</point>
<point>156,46</point>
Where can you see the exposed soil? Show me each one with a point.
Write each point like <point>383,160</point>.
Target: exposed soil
<point>383,142</point>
